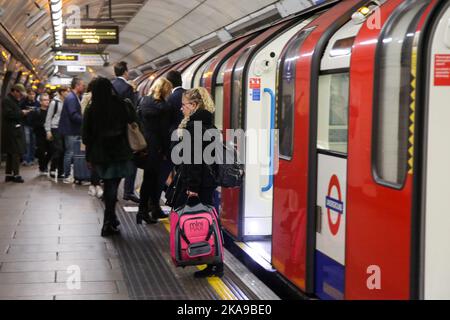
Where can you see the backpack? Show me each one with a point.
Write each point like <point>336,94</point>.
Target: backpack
<point>56,109</point>
<point>227,171</point>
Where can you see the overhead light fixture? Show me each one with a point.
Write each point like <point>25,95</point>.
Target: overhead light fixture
<point>46,52</point>
<point>44,38</point>
<point>57,21</point>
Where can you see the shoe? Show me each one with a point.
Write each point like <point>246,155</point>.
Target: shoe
<point>61,177</point>
<point>109,230</point>
<point>43,173</point>
<point>85,183</point>
<point>131,197</point>
<point>18,179</point>
<point>9,178</point>
<point>68,180</point>
<point>99,192</point>
<point>158,213</point>
<point>209,271</point>
<point>92,191</point>
<point>145,217</point>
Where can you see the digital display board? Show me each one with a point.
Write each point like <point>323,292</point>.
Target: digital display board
<point>92,35</point>
<point>66,57</point>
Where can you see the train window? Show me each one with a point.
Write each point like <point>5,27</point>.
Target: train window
<point>333,112</point>
<point>237,111</point>
<point>393,78</point>
<point>286,94</point>
<point>342,47</point>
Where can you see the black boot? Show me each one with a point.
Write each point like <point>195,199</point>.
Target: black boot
<point>109,230</point>
<point>211,270</point>
<point>157,213</point>
<point>145,216</point>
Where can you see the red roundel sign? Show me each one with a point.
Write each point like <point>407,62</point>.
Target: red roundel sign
<point>334,204</point>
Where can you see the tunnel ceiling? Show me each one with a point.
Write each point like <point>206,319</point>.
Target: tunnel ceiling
<point>148,28</point>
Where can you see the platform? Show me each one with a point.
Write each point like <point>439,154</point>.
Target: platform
<point>48,228</point>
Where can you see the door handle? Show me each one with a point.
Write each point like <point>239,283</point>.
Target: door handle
<point>318,219</point>
<point>272,138</point>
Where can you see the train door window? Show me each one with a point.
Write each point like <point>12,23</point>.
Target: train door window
<point>286,94</point>
<point>333,112</point>
<point>237,111</point>
<point>218,97</point>
<point>198,77</point>
<point>395,61</point>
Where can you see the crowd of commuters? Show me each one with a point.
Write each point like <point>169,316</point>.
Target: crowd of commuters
<point>96,119</point>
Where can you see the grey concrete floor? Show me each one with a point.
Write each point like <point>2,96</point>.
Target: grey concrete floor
<point>50,239</point>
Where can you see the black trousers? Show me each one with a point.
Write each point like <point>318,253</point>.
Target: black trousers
<point>151,187</point>
<point>57,147</point>
<point>12,164</point>
<point>111,187</point>
<point>43,151</point>
<point>95,178</point>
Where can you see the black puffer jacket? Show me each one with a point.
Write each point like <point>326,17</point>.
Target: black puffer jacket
<point>195,177</point>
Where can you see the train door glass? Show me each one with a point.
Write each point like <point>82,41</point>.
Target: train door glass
<point>218,97</point>
<point>436,237</point>
<point>332,134</point>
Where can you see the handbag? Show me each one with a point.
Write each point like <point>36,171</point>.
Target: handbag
<point>136,138</point>
<point>173,190</point>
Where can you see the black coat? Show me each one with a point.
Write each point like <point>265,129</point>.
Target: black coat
<point>13,136</point>
<point>197,177</point>
<point>124,90</point>
<point>110,144</point>
<point>155,118</point>
<point>175,101</point>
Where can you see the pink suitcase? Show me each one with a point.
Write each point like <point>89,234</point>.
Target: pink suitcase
<point>195,236</point>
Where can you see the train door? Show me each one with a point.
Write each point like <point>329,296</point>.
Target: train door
<point>260,154</point>
<point>436,220</point>
<point>293,235</point>
<point>332,138</point>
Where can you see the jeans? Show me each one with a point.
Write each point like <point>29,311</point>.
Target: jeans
<point>69,142</point>
<point>110,197</point>
<point>128,186</point>
<point>30,140</point>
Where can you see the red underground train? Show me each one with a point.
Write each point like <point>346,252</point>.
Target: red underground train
<point>352,98</point>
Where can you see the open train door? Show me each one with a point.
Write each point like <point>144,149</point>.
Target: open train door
<point>435,219</point>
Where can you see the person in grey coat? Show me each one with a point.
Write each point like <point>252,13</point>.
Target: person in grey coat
<point>13,135</point>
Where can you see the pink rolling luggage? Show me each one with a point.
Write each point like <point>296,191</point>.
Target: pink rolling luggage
<point>195,236</point>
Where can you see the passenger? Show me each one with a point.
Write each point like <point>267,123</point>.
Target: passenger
<point>174,101</point>
<point>155,115</point>
<point>95,189</point>
<point>43,147</point>
<point>53,135</point>
<point>29,103</point>
<point>70,124</point>
<point>126,91</point>
<point>107,148</point>
<point>196,180</point>
<point>13,134</point>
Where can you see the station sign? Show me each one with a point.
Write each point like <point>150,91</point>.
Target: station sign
<point>92,35</point>
<point>79,59</point>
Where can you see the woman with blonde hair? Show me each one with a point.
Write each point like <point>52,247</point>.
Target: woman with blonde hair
<point>196,180</point>
<point>155,116</point>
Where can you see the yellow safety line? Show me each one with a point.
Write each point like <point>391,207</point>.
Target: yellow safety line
<point>215,282</point>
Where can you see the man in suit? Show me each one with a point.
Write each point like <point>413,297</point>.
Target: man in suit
<point>125,91</point>
<point>70,124</point>
<point>174,101</point>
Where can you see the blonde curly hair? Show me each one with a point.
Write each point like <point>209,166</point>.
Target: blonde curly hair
<point>161,89</point>
<point>202,98</point>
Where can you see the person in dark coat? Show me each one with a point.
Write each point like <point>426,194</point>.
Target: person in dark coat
<point>32,104</point>
<point>125,91</point>
<point>155,116</point>
<point>70,124</point>
<point>13,135</point>
<point>196,178</point>
<point>108,151</point>
<point>43,146</point>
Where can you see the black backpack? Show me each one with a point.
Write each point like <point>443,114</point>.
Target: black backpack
<point>228,171</point>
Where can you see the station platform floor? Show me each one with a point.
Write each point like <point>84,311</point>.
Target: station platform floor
<point>50,234</point>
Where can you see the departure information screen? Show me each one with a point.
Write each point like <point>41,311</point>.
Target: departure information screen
<point>92,35</point>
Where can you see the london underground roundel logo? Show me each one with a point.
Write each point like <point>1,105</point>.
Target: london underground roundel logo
<point>335,205</point>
